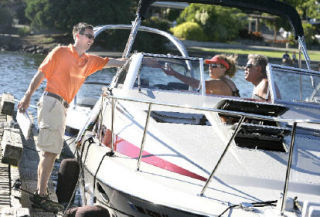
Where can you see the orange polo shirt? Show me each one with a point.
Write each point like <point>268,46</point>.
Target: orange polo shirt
<point>66,71</point>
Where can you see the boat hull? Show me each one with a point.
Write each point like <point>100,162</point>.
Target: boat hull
<point>122,205</point>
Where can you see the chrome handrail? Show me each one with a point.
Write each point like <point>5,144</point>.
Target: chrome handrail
<point>226,112</point>
<point>112,124</point>
<point>144,136</point>
<point>285,189</point>
<point>243,116</point>
<point>303,48</point>
<point>222,155</point>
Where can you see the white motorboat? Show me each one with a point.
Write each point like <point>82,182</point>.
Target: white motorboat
<point>153,146</point>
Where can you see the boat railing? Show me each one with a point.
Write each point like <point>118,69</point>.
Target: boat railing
<point>242,116</point>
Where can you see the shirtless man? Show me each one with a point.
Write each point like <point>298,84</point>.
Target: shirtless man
<point>255,72</point>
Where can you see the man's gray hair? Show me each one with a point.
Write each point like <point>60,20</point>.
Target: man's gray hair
<point>259,60</point>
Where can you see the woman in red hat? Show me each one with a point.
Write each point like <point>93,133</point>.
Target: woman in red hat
<point>220,66</point>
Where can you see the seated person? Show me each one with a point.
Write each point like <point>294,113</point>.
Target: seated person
<point>220,66</point>
<point>255,72</point>
<point>294,57</point>
<point>286,58</point>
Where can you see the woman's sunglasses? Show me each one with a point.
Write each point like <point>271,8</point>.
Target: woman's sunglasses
<point>213,65</point>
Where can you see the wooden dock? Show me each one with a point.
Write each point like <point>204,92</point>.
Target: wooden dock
<point>16,150</point>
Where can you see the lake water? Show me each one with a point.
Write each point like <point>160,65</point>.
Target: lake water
<point>16,71</point>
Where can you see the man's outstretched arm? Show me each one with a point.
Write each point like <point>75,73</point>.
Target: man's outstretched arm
<point>115,62</point>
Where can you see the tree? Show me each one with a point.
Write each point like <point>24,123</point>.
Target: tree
<point>61,14</point>
<point>306,9</point>
<point>218,23</point>
<point>5,18</point>
<point>10,10</point>
<point>189,31</point>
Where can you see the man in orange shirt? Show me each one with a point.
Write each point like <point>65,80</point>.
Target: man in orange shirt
<point>65,69</point>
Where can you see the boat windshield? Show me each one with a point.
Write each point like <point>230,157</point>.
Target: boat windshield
<point>294,85</point>
<point>167,73</point>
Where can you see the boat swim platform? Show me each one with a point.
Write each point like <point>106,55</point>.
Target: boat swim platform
<point>18,161</point>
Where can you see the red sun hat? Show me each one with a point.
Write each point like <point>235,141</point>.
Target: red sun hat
<point>217,60</point>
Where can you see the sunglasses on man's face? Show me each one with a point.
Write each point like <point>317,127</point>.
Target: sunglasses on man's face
<point>249,65</point>
<point>89,36</point>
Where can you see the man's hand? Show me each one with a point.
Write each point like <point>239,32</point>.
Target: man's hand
<point>24,103</point>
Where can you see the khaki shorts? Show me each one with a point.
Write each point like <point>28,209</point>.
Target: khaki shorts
<point>51,122</point>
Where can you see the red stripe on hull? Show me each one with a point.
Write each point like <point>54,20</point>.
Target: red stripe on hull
<point>126,148</point>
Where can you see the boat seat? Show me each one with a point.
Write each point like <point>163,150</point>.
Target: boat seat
<point>260,108</point>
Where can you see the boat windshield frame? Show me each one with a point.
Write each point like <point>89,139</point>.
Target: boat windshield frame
<point>273,72</point>
<point>131,74</point>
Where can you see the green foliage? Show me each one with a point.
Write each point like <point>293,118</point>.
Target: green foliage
<point>218,23</point>
<point>311,8</point>
<point>277,23</point>
<point>172,14</point>
<point>36,11</point>
<point>152,43</point>
<point>16,9</point>
<point>309,33</point>
<point>112,40</point>
<point>20,7</point>
<point>189,31</point>
<point>115,40</point>
<point>157,23</point>
<point>306,8</point>
<point>23,31</point>
<point>292,41</point>
<point>5,17</point>
<point>63,14</point>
